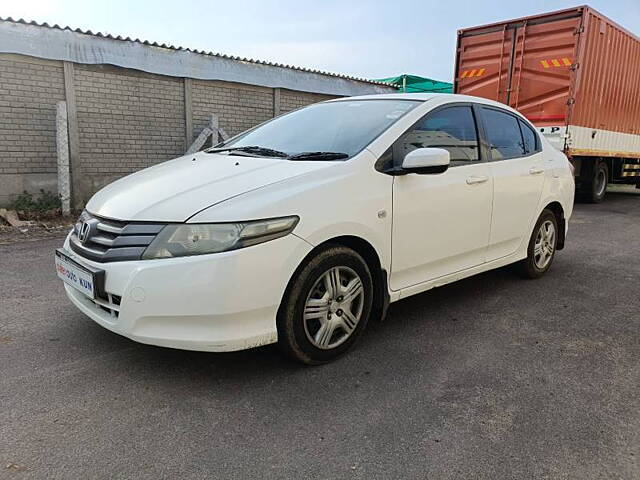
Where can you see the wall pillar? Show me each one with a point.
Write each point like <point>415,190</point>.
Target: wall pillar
<point>188,113</point>
<point>276,102</point>
<point>79,191</point>
<point>62,149</point>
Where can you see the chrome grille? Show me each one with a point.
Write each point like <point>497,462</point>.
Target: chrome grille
<point>105,240</point>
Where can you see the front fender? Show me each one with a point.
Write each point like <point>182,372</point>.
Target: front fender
<point>350,198</point>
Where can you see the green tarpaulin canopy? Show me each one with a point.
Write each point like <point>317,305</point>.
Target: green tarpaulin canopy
<point>413,84</point>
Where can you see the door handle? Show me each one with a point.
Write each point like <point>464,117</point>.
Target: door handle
<point>536,171</point>
<point>473,180</point>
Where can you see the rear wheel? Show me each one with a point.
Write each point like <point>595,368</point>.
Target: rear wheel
<point>595,190</point>
<point>542,247</point>
<point>326,306</point>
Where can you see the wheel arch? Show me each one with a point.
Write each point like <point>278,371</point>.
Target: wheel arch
<point>558,211</point>
<point>367,251</point>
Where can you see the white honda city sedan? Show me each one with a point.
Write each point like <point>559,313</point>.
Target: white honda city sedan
<point>301,230</point>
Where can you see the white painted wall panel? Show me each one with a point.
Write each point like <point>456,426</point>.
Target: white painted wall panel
<point>593,141</point>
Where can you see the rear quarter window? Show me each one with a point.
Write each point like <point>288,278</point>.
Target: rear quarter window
<point>530,138</point>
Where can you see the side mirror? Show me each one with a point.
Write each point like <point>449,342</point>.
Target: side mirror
<point>426,160</point>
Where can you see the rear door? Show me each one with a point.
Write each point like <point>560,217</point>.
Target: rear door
<point>518,173</point>
<point>542,68</point>
<point>485,64</point>
<point>526,64</point>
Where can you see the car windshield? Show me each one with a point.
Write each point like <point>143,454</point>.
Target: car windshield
<point>324,131</point>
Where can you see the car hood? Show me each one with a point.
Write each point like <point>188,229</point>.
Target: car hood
<point>175,190</point>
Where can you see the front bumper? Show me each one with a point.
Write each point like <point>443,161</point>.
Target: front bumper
<point>220,302</point>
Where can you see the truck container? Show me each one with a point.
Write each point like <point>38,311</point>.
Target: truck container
<point>575,74</point>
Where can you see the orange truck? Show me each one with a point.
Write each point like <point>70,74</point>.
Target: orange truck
<point>575,75</point>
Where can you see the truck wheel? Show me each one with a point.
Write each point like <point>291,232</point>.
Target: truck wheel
<point>596,191</point>
<point>542,247</point>
<point>326,306</point>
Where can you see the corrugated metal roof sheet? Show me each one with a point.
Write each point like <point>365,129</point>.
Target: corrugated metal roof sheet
<point>178,48</point>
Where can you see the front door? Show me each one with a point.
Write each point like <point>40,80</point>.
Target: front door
<point>441,222</point>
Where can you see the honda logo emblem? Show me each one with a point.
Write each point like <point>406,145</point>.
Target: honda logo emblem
<point>85,228</point>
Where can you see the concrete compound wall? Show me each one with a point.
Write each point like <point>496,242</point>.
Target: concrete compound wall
<point>125,119</point>
<point>29,91</point>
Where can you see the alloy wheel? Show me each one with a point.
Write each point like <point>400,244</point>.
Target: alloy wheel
<point>545,244</point>
<point>333,307</point>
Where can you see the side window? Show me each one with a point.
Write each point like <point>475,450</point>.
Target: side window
<point>503,134</point>
<point>531,142</point>
<point>452,128</point>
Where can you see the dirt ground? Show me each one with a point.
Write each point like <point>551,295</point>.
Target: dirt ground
<point>35,230</point>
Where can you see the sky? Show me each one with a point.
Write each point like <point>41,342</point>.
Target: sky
<point>370,39</point>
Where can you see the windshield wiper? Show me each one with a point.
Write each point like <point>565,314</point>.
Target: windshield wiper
<point>253,150</point>
<point>318,156</point>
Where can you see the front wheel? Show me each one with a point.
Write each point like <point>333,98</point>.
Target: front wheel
<point>542,246</point>
<point>326,306</point>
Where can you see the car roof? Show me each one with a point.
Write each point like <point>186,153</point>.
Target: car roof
<point>422,97</point>
<point>425,97</point>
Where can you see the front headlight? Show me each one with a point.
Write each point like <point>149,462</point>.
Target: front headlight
<point>180,240</point>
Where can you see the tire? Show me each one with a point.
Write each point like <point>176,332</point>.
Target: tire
<point>596,190</point>
<point>539,261</point>
<point>313,303</point>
